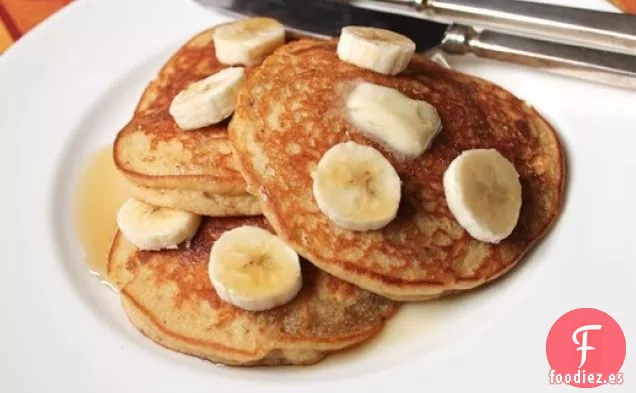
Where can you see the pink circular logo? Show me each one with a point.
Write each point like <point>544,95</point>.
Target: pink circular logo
<point>585,348</point>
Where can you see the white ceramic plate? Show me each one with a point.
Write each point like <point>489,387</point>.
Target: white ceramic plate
<point>68,86</point>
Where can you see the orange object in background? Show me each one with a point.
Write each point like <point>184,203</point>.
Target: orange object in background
<point>19,16</point>
<point>628,6</point>
<point>5,37</point>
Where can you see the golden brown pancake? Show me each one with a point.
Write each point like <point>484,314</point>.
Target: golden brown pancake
<point>199,202</point>
<point>168,296</point>
<point>290,113</point>
<point>152,152</point>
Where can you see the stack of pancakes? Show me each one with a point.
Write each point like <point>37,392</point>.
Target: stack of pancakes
<point>190,171</point>
<point>284,122</point>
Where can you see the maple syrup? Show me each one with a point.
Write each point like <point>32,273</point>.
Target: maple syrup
<point>99,194</point>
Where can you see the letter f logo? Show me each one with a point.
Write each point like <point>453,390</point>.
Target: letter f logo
<point>584,347</point>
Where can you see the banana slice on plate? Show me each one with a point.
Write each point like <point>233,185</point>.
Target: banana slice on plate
<point>248,41</point>
<point>483,192</point>
<point>356,187</point>
<point>253,269</point>
<point>406,125</point>
<point>207,101</point>
<point>379,50</point>
<point>155,228</point>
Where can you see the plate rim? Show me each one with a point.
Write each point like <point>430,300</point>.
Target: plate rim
<point>60,26</point>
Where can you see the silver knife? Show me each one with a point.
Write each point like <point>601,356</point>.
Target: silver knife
<point>605,30</point>
<point>327,17</point>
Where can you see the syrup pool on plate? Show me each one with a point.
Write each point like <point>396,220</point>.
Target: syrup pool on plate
<point>99,194</point>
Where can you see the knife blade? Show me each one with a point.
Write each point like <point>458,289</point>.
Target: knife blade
<point>327,17</point>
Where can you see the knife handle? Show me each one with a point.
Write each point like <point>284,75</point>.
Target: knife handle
<point>605,30</point>
<point>610,68</point>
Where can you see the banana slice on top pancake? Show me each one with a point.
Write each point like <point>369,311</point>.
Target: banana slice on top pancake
<point>253,269</point>
<point>356,187</point>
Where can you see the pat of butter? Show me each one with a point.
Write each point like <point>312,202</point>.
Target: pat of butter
<point>404,124</point>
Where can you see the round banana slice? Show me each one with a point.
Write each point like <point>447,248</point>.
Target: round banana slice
<point>380,50</point>
<point>483,192</point>
<point>356,187</point>
<point>406,125</point>
<point>155,228</point>
<point>248,41</point>
<point>254,269</point>
<point>207,101</point>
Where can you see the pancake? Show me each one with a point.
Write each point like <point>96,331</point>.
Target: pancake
<point>291,112</point>
<point>152,152</point>
<point>168,296</point>
<point>194,201</point>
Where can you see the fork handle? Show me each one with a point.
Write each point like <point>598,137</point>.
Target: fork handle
<point>605,67</point>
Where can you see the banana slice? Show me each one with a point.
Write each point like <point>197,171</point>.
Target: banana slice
<point>483,192</point>
<point>254,269</point>
<point>248,41</point>
<point>207,101</point>
<point>155,228</point>
<point>405,124</point>
<point>356,187</point>
<point>380,50</point>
